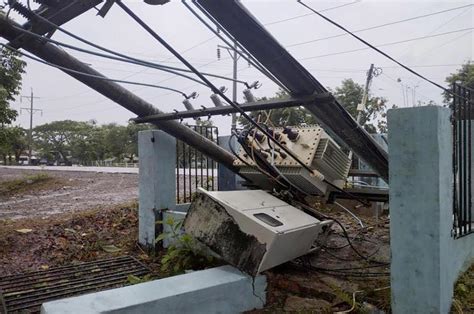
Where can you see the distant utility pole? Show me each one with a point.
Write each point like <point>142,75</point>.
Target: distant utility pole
<point>373,72</point>
<point>233,52</point>
<point>31,111</point>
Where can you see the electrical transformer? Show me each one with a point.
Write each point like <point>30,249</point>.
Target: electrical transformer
<point>311,144</point>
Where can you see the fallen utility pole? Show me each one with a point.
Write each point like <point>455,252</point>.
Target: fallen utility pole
<point>113,91</point>
<point>230,15</point>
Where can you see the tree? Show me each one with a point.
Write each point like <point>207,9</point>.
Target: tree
<point>10,84</point>
<point>282,116</point>
<point>14,142</point>
<point>464,76</point>
<point>65,138</point>
<point>373,117</point>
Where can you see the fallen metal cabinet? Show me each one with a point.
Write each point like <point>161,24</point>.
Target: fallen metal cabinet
<point>251,230</point>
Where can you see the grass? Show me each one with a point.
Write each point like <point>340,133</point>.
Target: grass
<point>28,182</point>
<point>463,301</point>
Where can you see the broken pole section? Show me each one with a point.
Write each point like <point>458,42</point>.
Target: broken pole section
<point>113,91</point>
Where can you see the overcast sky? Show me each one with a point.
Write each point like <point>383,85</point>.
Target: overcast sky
<point>62,97</point>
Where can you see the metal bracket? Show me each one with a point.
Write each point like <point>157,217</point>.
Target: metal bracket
<point>252,106</point>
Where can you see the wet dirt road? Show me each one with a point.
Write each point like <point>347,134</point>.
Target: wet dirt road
<point>72,191</point>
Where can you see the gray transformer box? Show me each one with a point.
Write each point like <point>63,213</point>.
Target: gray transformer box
<point>251,230</point>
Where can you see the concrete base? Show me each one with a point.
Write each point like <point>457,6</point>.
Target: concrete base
<point>217,290</point>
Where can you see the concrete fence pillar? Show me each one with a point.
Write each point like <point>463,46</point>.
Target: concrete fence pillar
<point>157,182</point>
<point>426,259</point>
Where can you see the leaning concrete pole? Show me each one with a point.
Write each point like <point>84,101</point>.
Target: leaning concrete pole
<point>114,91</point>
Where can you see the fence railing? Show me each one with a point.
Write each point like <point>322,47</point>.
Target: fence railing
<point>463,114</point>
<point>194,169</point>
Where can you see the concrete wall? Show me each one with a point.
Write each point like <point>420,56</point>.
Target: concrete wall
<point>426,259</point>
<point>217,290</point>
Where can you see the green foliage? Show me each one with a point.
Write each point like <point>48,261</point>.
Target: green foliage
<point>84,142</point>
<point>133,280</point>
<point>11,71</point>
<point>184,253</point>
<point>13,142</point>
<point>464,290</point>
<point>373,117</point>
<point>463,76</point>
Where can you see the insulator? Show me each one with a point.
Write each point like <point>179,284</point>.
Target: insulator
<point>188,104</point>
<point>292,134</point>
<point>22,10</point>
<point>260,137</point>
<point>274,134</point>
<point>156,2</point>
<point>216,100</point>
<point>218,53</point>
<point>249,97</point>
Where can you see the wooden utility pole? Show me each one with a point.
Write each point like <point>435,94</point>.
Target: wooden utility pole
<point>31,111</point>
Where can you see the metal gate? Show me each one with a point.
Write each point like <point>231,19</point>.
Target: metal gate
<point>463,114</point>
<point>193,168</point>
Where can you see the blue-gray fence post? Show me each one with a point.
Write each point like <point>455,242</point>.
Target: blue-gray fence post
<point>157,182</point>
<point>425,259</point>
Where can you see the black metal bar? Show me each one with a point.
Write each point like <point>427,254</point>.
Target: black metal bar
<point>462,161</point>
<point>465,201</point>
<point>202,158</point>
<point>184,172</point>
<point>460,172</point>
<point>464,213</point>
<point>455,163</point>
<point>196,179</point>
<point>177,173</point>
<point>469,160</point>
<point>190,174</point>
<point>213,164</point>
<point>254,106</point>
<point>207,165</point>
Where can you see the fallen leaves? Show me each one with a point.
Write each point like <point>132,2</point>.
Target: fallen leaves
<point>110,248</point>
<point>24,231</point>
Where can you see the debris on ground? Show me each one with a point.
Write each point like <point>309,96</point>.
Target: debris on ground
<point>70,238</point>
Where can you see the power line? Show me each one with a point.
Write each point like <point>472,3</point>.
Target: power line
<point>388,44</point>
<point>91,75</point>
<point>380,51</point>
<point>380,26</point>
<point>121,57</point>
<point>307,14</point>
